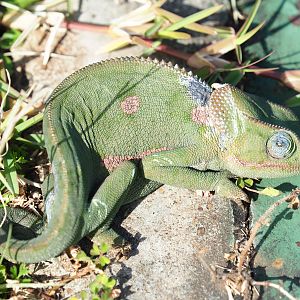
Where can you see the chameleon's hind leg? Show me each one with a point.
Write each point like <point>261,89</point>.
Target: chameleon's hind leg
<point>139,188</point>
<point>106,202</point>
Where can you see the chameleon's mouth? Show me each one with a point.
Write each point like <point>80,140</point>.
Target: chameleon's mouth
<point>269,165</point>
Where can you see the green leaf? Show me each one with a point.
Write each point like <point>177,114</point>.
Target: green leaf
<point>83,295</point>
<point>13,272</point>
<point>95,286</point>
<point>104,261</point>
<point>103,279</point>
<point>111,283</point>
<point>249,182</point>
<point>234,77</point>
<point>203,72</point>
<point>294,101</point>
<point>153,29</point>
<point>173,35</point>
<point>22,3</point>
<point>10,172</point>
<point>8,38</point>
<point>270,191</point>
<point>28,123</point>
<point>3,274</point>
<point>4,87</point>
<point>33,139</point>
<point>243,38</point>
<point>81,256</point>
<point>5,183</point>
<point>95,251</point>
<point>23,271</point>
<point>240,183</point>
<point>193,18</point>
<point>104,248</point>
<point>250,19</point>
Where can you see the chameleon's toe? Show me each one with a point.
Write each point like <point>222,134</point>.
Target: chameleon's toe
<point>110,237</point>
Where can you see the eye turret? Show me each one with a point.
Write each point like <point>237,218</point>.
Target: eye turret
<point>280,145</point>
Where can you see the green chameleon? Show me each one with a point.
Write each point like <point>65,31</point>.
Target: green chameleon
<point>117,130</point>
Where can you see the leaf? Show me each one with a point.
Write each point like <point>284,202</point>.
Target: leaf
<point>241,39</point>
<point>174,35</point>
<point>249,19</point>
<point>249,182</point>
<point>5,183</point>
<point>12,92</point>
<point>193,18</point>
<point>153,29</point>
<point>10,172</point>
<point>13,272</point>
<point>29,123</point>
<point>104,248</point>
<point>240,183</point>
<point>81,256</point>
<point>270,191</point>
<point>8,38</point>
<point>294,101</point>
<point>3,274</point>
<point>116,44</point>
<point>193,26</point>
<point>95,251</point>
<point>23,271</point>
<point>104,261</point>
<point>234,77</point>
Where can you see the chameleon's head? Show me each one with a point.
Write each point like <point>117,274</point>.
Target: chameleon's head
<point>252,140</point>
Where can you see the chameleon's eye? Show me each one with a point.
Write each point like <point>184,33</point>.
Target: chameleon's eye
<point>280,145</point>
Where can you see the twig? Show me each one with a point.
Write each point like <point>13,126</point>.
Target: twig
<point>54,30</point>
<point>35,53</point>
<point>275,286</point>
<point>13,285</point>
<point>259,223</point>
<point>5,210</point>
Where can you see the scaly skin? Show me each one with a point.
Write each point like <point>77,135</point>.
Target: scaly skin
<point>117,130</point>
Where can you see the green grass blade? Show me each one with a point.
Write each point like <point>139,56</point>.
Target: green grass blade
<point>294,101</point>
<point>34,139</point>
<point>193,18</point>
<point>10,173</point>
<point>5,183</point>
<point>250,19</point>
<point>4,87</point>
<point>240,40</point>
<point>174,35</point>
<point>153,29</point>
<point>28,123</point>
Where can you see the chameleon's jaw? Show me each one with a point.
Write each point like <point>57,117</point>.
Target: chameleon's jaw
<point>266,169</point>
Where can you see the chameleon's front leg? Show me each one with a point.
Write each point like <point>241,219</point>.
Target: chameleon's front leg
<point>173,168</point>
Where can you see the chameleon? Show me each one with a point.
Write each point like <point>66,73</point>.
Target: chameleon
<point>118,129</point>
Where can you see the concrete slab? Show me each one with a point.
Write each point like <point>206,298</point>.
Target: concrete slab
<point>181,239</point>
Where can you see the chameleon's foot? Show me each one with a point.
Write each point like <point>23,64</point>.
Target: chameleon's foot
<point>110,237</point>
<point>228,189</point>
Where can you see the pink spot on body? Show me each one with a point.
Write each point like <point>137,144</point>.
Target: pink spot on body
<point>113,161</point>
<point>199,115</point>
<point>130,105</point>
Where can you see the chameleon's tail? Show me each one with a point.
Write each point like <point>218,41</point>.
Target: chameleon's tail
<point>25,237</point>
<point>73,167</point>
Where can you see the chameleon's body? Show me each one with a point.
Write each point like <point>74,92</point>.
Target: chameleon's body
<point>117,130</point>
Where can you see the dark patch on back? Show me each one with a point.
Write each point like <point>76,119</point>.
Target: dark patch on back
<point>198,90</point>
